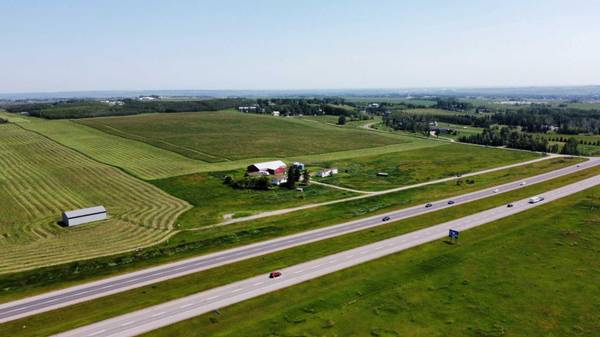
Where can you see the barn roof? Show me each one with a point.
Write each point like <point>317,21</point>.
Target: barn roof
<point>84,211</point>
<point>269,165</point>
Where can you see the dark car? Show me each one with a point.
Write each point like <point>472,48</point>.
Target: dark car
<point>428,205</point>
<point>509,205</point>
<point>385,218</point>
<point>274,274</point>
<point>451,202</point>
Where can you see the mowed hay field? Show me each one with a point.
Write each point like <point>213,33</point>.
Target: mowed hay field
<point>39,178</point>
<point>138,158</point>
<point>416,166</point>
<point>229,135</point>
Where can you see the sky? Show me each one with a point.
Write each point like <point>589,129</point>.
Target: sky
<point>158,45</point>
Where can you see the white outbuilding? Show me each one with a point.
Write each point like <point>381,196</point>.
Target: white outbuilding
<point>84,215</point>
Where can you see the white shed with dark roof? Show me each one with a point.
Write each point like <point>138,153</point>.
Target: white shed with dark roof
<point>84,215</point>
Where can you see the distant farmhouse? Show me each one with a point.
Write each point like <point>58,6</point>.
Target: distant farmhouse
<point>250,108</point>
<point>327,172</point>
<point>268,168</point>
<point>85,215</point>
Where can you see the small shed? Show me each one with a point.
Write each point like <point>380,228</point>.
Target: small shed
<point>327,172</point>
<point>84,215</point>
<point>382,174</point>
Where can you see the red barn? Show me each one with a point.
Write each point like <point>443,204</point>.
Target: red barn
<point>269,167</point>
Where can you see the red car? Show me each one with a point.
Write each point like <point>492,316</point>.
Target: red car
<point>274,274</point>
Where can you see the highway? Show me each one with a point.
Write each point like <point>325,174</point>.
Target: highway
<point>68,296</point>
<point>174,311</point>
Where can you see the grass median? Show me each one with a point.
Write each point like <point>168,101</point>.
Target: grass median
<point>531,274</point>
<point>92,311</point>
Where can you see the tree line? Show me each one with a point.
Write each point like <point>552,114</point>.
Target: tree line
<point>516,139</point>
<point>79,108</point>
<point>541,118</point>
<point>421,123</point>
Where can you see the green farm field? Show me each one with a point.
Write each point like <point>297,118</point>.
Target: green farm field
<point>532,274</point>
<point>415,166</point>
<point>212,200</point>
<point>40,178</point>
<point>138,158</point>
<point>150,162</point>
<point>228,135</point>
<point>80,314</point>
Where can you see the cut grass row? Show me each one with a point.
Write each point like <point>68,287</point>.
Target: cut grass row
<point>39,179</point>
<point>193,243</point>
<point>85,313</point>
<point>532,274</point>
<point>138,158</point>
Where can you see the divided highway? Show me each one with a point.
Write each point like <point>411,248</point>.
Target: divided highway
<point>65,297</point>
<point>174,311</point>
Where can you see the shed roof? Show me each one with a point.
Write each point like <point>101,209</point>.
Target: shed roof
<point>269,165</point>
<point>84,211</point>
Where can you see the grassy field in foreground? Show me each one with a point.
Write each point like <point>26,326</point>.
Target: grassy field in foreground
<point>229,135</point>
<point>193,243</point>
<point>81,314</point>
<point>138,158</point>
<point>39,179</point>
<point>532,274</point>
<point>212,199</point>
<point>411,167</point>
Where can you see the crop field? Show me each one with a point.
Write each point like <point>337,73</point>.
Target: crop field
<point>70,317</point>
<point>415,166</point>
<point>532,274</point>
<point>39,179</point>
<point>138,158</point>
<point>227,135</point>
<point>213,200</point>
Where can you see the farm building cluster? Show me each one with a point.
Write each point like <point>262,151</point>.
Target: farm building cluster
<point>277,171</point>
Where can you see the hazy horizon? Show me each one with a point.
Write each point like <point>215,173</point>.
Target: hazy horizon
<point>64,46</point>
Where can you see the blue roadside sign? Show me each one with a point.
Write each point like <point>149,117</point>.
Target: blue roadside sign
<point>453,234</point>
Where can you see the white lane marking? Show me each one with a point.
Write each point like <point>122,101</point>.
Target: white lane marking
<point>258,283</point>
<point>236,290</point>
<point>159,314</point>
<point>212,298</point>
<point>298,272</point>
<point>317,266</point>
<point>378,248</point>
<point>186,305</point>
<point>349,256</point>
<point>127,323</point>
<point>333,261</point>
<point>97,332</point>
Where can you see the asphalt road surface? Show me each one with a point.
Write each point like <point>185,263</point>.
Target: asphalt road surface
<point>85,292</point>
<point>174,311</point>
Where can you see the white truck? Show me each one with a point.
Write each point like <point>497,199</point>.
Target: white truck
<point>535,200</point>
